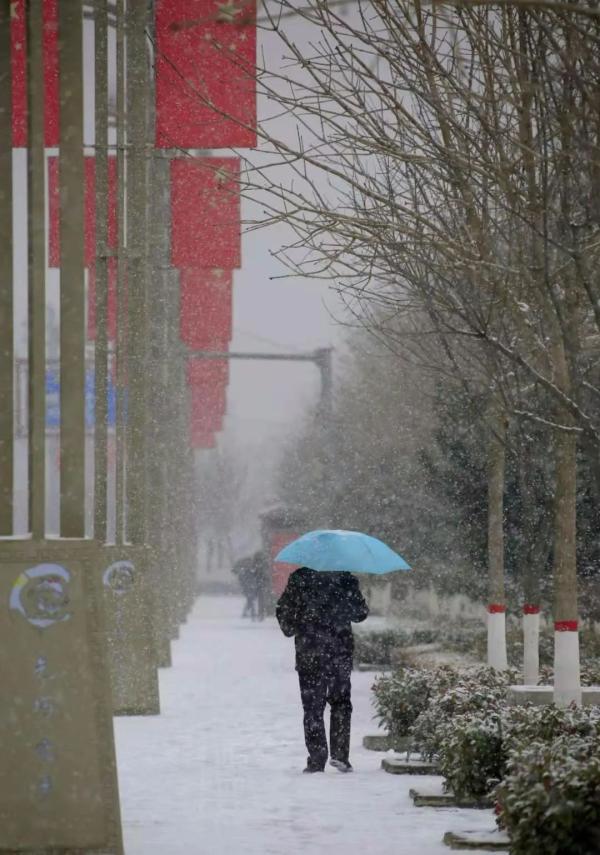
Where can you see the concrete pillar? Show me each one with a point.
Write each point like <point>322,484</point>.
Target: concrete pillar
<point>123,568</point>
<point>58,785</point>
<point>125,576</point>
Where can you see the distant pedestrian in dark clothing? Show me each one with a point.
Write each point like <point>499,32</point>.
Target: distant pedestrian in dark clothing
<point>240,569</point>
<point>251,572</point>
<point>257,582</point>
<point>318,608</point>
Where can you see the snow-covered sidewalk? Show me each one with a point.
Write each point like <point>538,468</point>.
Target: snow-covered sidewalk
<point>219,771</point>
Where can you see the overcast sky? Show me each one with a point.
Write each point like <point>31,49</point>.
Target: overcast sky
<point>267,400</point>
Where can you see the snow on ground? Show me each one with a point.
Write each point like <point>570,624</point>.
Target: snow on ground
<point>219,771</point>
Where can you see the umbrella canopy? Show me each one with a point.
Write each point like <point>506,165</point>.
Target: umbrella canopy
<point>335,550</point>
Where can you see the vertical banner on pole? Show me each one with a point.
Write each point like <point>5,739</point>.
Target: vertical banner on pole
<point>50,111</point>
<point>205,246</point>
<point>207,382</point>
<point>205,205</point>
<point>206,309</point>
<point>205,73</point>
<point>18,56</point>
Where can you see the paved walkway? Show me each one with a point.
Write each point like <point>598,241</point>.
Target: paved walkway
<point>218,772</point>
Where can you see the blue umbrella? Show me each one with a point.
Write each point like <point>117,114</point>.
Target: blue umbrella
<point>342,550</point>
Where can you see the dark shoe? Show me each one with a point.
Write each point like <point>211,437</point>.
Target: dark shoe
<point>310,769</point>
<point>341,765</point>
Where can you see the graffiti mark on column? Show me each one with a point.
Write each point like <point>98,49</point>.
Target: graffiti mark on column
<point>45,785</point>
<point>40,669</point>
<point>119,577</point>
<point>45,750</point>
<point>45,706</point>
<point>41,595</point>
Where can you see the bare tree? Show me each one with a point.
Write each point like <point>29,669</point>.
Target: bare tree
<point>446,165</point>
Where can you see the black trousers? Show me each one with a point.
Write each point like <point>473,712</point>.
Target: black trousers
<point>326,680</point>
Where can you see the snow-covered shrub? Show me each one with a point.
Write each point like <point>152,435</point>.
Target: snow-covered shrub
<point>401,697</point>
<point>549,799</point>
<point>474,747</point>
<point>589,640</point>
<point>590,672</point>
<point>471,754</point>
<point>376,647</point>
<point>479,690</point>
<point>523,725</point>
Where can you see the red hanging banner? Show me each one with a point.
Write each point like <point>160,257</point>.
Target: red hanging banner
<point>19,72</point>
<point>205,213</point>
<point>18,53</point>
<point>207,381</point>
<point>200,438</point>
<point>206,310</point>
<point>205,73</point>
<point>89,210</point>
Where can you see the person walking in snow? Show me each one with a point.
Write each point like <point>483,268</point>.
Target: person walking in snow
<point>318,610</point>
<point>246,578</point>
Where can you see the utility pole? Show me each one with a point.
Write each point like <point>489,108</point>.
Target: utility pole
<point>101,272</point>
<point>37,284</point>
<point>6,277</point>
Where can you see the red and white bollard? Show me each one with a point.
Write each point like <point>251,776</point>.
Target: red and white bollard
<point>496,637</point>
<point>567,682</point>
<point>531,644</point>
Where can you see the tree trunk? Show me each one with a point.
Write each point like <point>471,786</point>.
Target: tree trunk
<point>567,686</point>
<point>496,618</point>
<point>529,566</point>
<point>531,644</point>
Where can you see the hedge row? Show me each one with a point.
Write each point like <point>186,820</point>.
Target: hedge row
<point>539,765</point>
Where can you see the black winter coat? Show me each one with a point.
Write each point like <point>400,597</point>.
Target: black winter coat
<point>318,608</point>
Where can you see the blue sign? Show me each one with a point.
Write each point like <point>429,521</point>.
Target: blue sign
<point>53,399</point>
